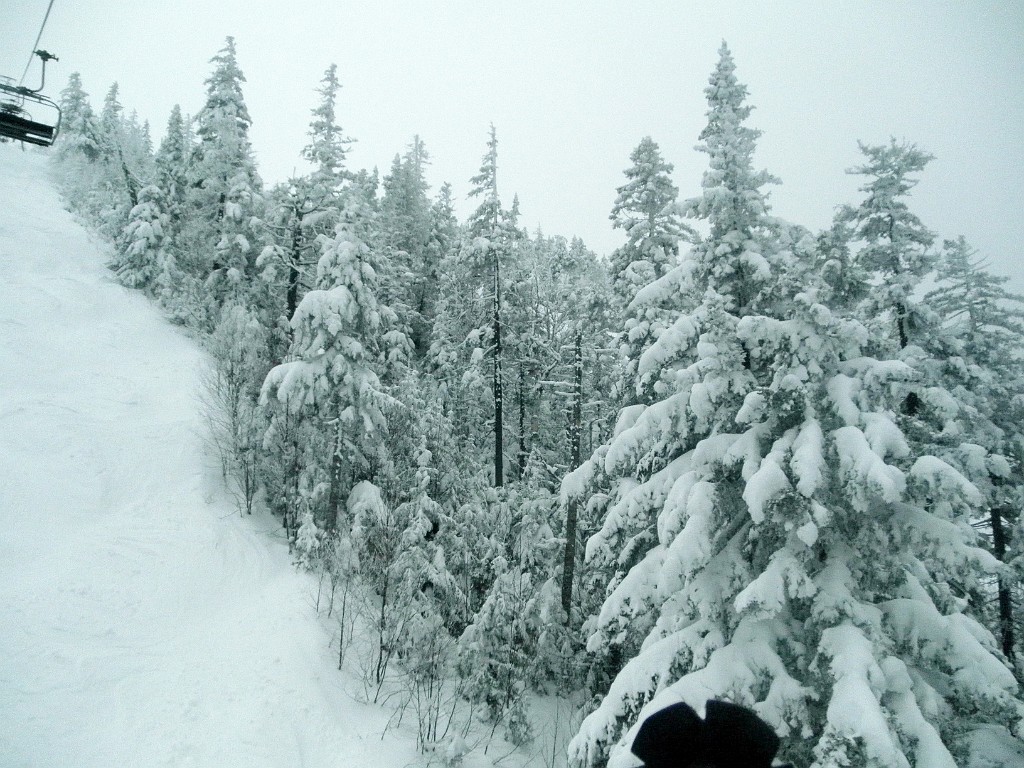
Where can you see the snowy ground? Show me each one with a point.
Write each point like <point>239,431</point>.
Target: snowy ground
<point>142,621</point>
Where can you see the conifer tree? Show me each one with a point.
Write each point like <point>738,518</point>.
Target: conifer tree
<point>307,209</point>
<point>444,227</point>
<point>341,337</point>
<point>484,226</point>
<point>777,539</point>
<point>79,133</point>
<point>287,263</point>
<point>143,256</point>
<point>137,147</point>
<point>895,242</point>
<point>105,158</point>
<point>646,210</point>
<point>418,594</point>
<point>112,143</point>
<point>328,145</point>
<point>983,322</point>
<point>238,351</point>
<point>242,233</point>
<point>225,231</point>
<point>171,162</point>
<point>406,226</point>
<point>428,593</point>
<point>84,177</point>
<point>441,240</point>
<point>736,211</point>
<point>494,651</point>
<point>469,328</point>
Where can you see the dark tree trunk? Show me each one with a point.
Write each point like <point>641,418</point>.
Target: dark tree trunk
<point>293,270</point>
<point>912,402</point>
<point>499,438</point>
<point>1005,598</point>
<point>572,512</point>
<point>291,518</point>
<point>334,494</point>
<point>129,183</point>
<point>522,422</point>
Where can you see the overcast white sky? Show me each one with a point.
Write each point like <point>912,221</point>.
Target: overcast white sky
<point>573,86</point>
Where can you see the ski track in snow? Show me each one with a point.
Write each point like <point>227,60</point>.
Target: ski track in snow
<point>143,622</point>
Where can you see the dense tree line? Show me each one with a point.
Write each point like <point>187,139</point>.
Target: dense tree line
<point>736,459</point>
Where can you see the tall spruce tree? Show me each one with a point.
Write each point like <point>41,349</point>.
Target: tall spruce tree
<point>467,347</point>
<point>647,212</point>
<point>983,322</point>
<point>406,223</point>
<point>306,210</point>
<point>79,133</point>
<point>776,538</point>
<point>143,253</point>
<point>328,144</point>
<point>113,139</point>
<point>489,238</point>
<point>171,178</point>
<point>895,242</point>
<point>225,230</point>
<point>171,162</point>
<point>341,336</point>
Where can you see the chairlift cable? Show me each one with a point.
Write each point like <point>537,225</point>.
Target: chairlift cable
<point>39,37</point>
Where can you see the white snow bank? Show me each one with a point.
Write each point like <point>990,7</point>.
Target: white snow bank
<point>142,621</point>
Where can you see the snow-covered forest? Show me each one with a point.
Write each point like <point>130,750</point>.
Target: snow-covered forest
<point>735,459</point>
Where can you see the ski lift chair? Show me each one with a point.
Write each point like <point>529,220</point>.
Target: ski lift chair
<point>25,114</point>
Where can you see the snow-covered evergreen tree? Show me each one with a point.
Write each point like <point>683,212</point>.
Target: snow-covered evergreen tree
<point>419,598</point>
<point>308,542</point>
<point>137,147</point>
<point>171,162</point>
<point>495,650</point>
<point>518,640</point>
<point>104,160</point>
<point>143,256</point>
<point>328,144</point>
<point>441,240</point>
<point>977,304</point>
<point>303,220</point>
<point>341,337</point>
<point>79,134</point>
<point>173,286</point>
<point>424,580</point>
<point>242,232</point>
<point>740,231</point>
<point>467,340</point>
<point>983,324</point>
<point>960,342</point>
<point>405,218</point>
<point>895,242</point>
<point>304,212</point>
<point>646,210</point>
<point>231,390</point>
<point>123,185</point>
<point>776,539</point>
<point>225,230</point>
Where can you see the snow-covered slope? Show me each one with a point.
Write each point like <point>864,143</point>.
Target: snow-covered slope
<point>142,621</point>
